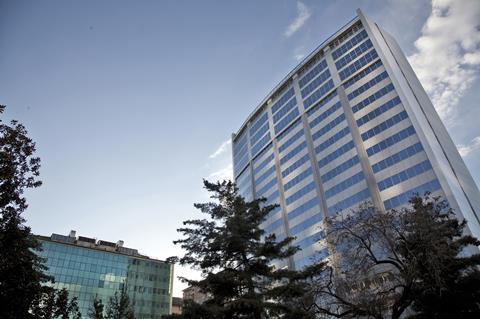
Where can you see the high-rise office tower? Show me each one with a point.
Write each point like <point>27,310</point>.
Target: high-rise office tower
<point>90,268</point>
<point>350,124</point>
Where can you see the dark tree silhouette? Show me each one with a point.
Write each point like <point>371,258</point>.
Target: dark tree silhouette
<point>235,258</point>
<point>119,307</point>
<point>96,310</point>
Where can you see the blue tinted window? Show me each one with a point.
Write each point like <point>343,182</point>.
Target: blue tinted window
<point>340,169</point>
<point>339,119</point>
<point>284,110</point>
<point>404,175</point>
<point>265,175</point>
<point>272,198</point>
<point>382,76</point>
<point>286,120</point>
<point>291,140</point>
<point>327,99</point>
<point>288,130</point>
<point>405,197</point>
<point>263,164</point>
<point>259,155</point>
<point>303,208</point>
<point>315,83</point>
<point>343,185</point>
<point>403,134</point>
<point>315,257</point>
<point>310,75</point>
<point>297,179</point>
<point>379,110</point>
<point>259,134</point>
<point>352,55</point>
<point>331,140</point>
<point>274,225</point>
<point>293,152</point>
<point>295,165</point>
<point>264,140</point>
<point>375,96</point>
<point>397,157</point>
<point>349,201</point>
<point>305,224</point>
<point>266,188</point>
<point>338,152</point>
<point>362,74</point>
<point>384,125</point>
<point>310,240</point>
<point>349,44</point>
<point>321,91</point>
<point>300,193</point>
<point>282,100</point>
<point>258,123</point>
<point>358,64</point>
<point>325,114</point>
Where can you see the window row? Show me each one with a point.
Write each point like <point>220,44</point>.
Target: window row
<point>266,187</point>
<point>286,120</point>
<point>264,163</point>
<point>325,114</point>
<point>315,83</point>
<point>310,240</point>
<point>313,73</point>
<point>295,165</point>
<point>362,74</point>
<point>268,229</point>
<point>315,257</point>
<point>337,153</point>
<point>352,55</point>
<point>397,157</point>
<point>378,111</point>
<point>349,202</point>
<point>293,152</point>
<point>329,126</point>
<point>397,118</point>
<point>379,78</point>
<point>340,169</point>
<point>282,100</point>
<point>307,223</point>
<point>372,98</point>
<point>404,175</point>
<point>403,198</point>
<point>291,140</point>
<point>403,134</point>
<point>321,91</point>
<point>300,193</point>
<point>288,130</point>
<point>259,134</point>
<point>303,208</point>
<point>358,64</point>
<point>343,185</point>
<point>258,123</point>
<point>349,44</point>
<point>297,179</point>
<point>330,141</point>
<point>284,110</point>
<point>258,157</point>
<point>261,143</point>
<point>265,175</point>
<point>327,99</point>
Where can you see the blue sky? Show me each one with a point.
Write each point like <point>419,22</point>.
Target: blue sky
<point>130,101</point>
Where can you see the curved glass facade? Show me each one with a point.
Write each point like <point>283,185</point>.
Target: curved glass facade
<point>338,131</point>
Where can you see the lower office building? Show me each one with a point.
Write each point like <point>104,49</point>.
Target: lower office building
<point>90,268</point>
<point>351,123</point>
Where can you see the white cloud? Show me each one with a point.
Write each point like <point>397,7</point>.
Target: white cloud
<point>474,144</point>
<point>447,56</point>
<point>223,173</point>
<point>299,57</point>
<point>303,14</point>
<point>222,149</point>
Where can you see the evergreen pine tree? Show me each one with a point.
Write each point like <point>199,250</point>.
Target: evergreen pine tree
<point>235,257</point>
<point>119,307</point>
<point>96,310</point>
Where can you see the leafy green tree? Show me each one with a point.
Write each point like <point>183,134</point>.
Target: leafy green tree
<point>96,310</point>
<point>119,307</point>
<point>66,308</point>
<point>235,258</point>
<point>415,262</point>
<point>21,269</point>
